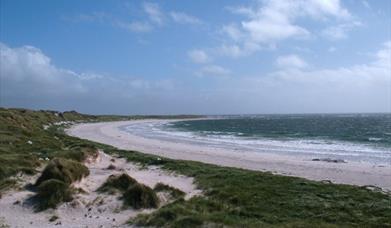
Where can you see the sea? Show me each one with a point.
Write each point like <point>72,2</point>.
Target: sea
<point>343,137</point>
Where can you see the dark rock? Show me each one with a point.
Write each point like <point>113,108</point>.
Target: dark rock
<point>329,160</point>
<point>111,167</point>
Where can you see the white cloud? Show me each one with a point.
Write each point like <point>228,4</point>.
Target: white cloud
<point>355,88</point>
<point>233,31</point>
<point>198,56</point>
<point>105,18</point>
<point>271,21</point>
<point>369,82</point>
<point>340,31</point>
<point>27,66</point>
<point>364,74</point>
<point>183,18</point>
<point>291,61</point>
<point>322,8</point>
<point>270,24</point>
<point>136,26</point>
<point>154,12</point>
<point>29,79</point>
<point>213,70</point>
<point>232,51</point>
<point>236,51</point>
<point>92,17</point>
<point>153,17</point>
<point>383,56</point>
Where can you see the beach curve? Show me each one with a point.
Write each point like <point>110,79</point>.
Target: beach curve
<point>354,173</point>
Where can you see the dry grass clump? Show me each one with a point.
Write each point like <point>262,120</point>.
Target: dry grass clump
<point>54,184</point>
<point>64,170</point>
<point>117,183</point>
<point>134,194</point>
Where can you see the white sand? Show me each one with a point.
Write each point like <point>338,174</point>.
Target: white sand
<point>348,173</point>
<point>90,209</point>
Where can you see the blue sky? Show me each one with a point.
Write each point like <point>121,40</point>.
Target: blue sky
<point>201,57</point>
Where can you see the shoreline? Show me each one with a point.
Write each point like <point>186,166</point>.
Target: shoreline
<point>353,173</point>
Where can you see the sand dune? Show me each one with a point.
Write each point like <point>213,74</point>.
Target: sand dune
<point>90,209</point>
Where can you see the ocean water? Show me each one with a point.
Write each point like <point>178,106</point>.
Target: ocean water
<point>350,137</point>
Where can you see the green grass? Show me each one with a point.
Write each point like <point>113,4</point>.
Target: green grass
<point>51,193</point>
<point>24,142</point>
<point>54,184</point>
<point>232,197</point>
<point>140,196</point>
<point>77,153</point>
<point>65,170</point>
<point>133,194</point>
<point>174,192</point>
<point>238,197</point>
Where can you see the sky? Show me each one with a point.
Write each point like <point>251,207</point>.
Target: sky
<point>196,57</point>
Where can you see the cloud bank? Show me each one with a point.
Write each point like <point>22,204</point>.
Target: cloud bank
<point>268,22</point>
<point>29,79</point>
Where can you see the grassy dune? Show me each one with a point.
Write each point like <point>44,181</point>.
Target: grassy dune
<point>232,197</point>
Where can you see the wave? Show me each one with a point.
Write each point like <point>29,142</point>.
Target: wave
<point>311,148</point>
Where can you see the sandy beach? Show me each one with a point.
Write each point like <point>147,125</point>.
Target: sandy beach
<point>353,173</point>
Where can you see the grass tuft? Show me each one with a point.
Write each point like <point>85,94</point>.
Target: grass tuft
<point>64,170</point>
<point>140,196</point>
<point>117,183</point>
<point>51,193</point>
<point>7,184</point>
<point>134,194</point>
<point>174,192</point>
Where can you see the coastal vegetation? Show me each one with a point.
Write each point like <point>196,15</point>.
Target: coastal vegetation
<point>233,197</point>
<point>30,138</point>
<point>64,170</point>
<point>137,195</point>
<point>140,196</point>
<point>174,192</point>
<point>51,193</point>
<point>132,193</point>
<point>117,183</point>
<point>54,184</point>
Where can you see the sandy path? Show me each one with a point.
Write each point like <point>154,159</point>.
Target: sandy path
<point>348,173</point>
<point>90,209</point>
